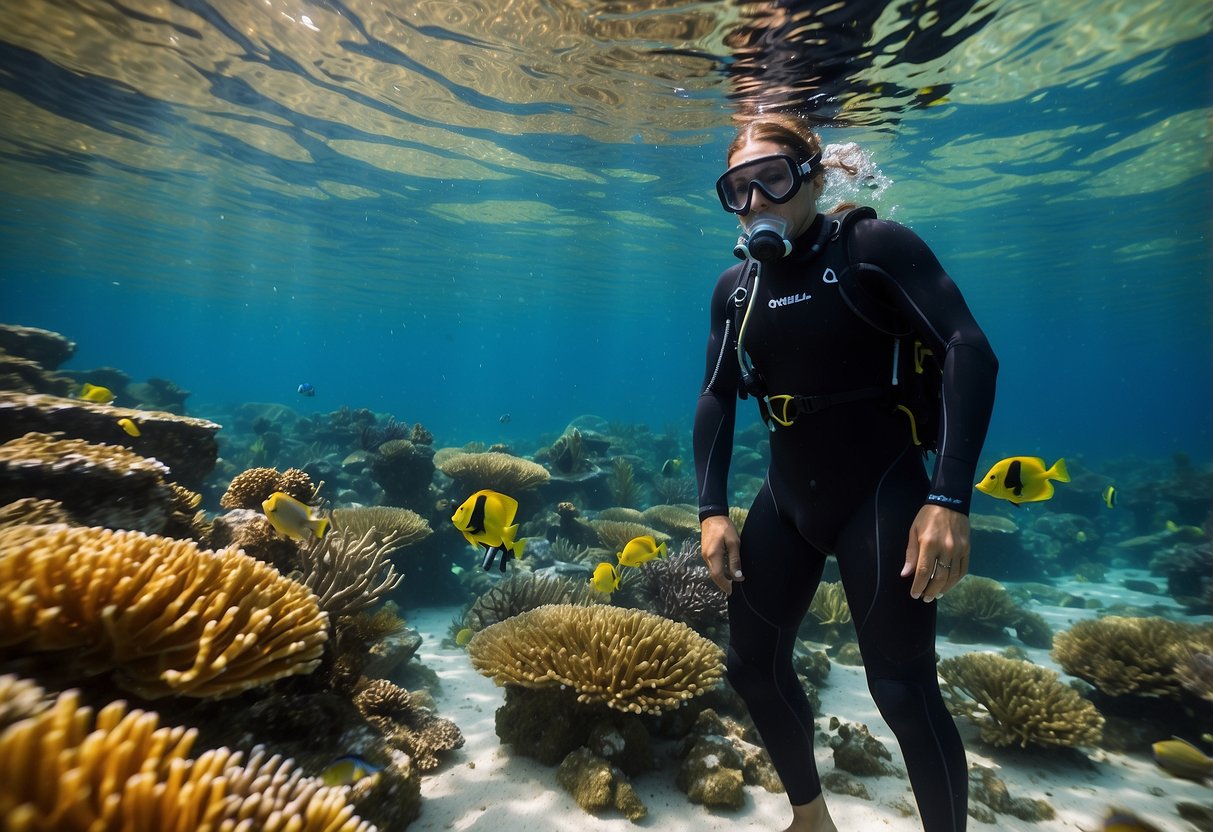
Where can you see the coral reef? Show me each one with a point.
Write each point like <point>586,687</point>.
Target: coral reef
<point>597,785</point>
<point>31,511</point>
<point>978,610</point>
<point>1018,703</point>
<point>624,488</point>
<point>1125,655</point>
<point>20,698</point>
<point>520,593</point>
<point>494,470</point>
<point>408,526</point>
<point>680,588</point>
<point>43,347</point>
<point>186,445</point>
<point>615,534</point>
<point>347,573</point>
<point>404,470</point>
<point>97,485</point>
<point>628,660</point>
<point>407,724</point>
<point>567,453</point>
<point>249,489</point>
<point>676,520</point>
<point>64,770</point>
<point>168,617</point>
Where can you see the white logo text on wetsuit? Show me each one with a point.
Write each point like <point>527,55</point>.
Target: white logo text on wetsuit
<point>788,300</point>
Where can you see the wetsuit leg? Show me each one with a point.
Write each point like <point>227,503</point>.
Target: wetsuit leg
<point>897,640</point>
<point>781,574</point>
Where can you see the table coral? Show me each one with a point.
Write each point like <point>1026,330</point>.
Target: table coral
<point>65,770</point>
<point>1125,655</point>
<point>168,617</point>
<point>626,659</point>
<point>500,472</point>
<point>1018,703</point>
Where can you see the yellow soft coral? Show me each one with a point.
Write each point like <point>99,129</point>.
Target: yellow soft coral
<point>1018,703</point>
<point>61,770</point>
<point>172,618</point>
<point>626,659</point>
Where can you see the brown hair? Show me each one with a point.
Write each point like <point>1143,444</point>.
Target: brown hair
<point>786,130</point>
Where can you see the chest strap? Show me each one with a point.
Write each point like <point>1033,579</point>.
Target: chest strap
<point>785,408</point>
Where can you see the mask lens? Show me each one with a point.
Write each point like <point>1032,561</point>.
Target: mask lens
<point>776,176</point>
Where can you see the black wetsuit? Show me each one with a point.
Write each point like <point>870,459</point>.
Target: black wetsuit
<point>848,481</point>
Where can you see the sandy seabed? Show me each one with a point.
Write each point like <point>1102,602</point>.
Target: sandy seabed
<point>483,787</point>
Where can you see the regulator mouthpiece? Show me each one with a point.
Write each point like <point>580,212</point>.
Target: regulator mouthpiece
<point>764,241</point>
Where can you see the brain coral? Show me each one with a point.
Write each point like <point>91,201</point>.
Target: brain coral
<point>170,617</point>
<point>626,659</point>
<point>1018,703</point>
<point>65,771</point>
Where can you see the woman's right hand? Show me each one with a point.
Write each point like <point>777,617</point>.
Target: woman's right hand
<point>721,546</point>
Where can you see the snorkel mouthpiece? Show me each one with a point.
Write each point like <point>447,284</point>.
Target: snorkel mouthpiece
<point>764,241</point>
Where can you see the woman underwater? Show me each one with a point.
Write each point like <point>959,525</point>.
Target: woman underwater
<point>807,326</point>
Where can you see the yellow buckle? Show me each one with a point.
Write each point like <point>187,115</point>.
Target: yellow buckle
<point>785,401</point>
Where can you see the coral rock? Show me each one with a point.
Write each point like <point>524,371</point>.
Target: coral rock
<point>711,774</point>
<point>857,751</point>
<point>597,785</point>
<point>45,348</point>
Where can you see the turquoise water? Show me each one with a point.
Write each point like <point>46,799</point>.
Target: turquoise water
<point>449,212</point>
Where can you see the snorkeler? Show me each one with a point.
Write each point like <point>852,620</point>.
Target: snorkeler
<point>846,476</point>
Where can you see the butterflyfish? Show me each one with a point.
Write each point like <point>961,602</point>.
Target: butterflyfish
<point>487,519</point>
<point>293,519</point>
<point>130,427</point>
<point>1109,496</point>
<point>347,770</point>
<point>96,394</point>
<point>1183,759</point>
<point>1023,479</point>
<point>606,578</point>
<point>1121,820</point>
<point>641,550</point>
<point>464,636</point>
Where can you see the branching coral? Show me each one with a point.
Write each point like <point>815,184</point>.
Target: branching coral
<point>170,618</point>
<point>65,771</point>
<point>497,471</point>
<point>409,526</point>
<point>829,605</point>
<point>32,511</point>
<point>97,484</point>
<point>1018,703</point>
<point>523,592</point>
<point>349,573</point>
<point>251,488</point>
<point>626,659</point>
<point>679,587</point>
<point>406,723</point>
<point>1124,655</point>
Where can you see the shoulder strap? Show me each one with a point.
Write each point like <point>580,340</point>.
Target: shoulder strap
<point>867,306</point>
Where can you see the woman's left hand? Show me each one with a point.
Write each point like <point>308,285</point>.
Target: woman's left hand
<point>937,554</point>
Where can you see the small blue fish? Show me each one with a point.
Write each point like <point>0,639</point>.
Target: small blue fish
<point>307,390</point>
<point>347,770</point>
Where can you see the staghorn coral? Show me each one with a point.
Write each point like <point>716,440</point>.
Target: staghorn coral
<point>629,660</point>
<point>64,770</point>
<point>1124,655</point>
<point>347,573</point>
<point>107,485</point>
<point>615,534</point>
<point>522,592</point>
<point>497,471</point>
<point>408,526</point>
<point>251,488</point>
<point>168,617</point>
<point>408,724</point>
<point>679,587</point>
<point>1018,703</point>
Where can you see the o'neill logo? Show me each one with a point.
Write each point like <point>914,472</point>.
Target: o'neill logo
<point>788,300</point>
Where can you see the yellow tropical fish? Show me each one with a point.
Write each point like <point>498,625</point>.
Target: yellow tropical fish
<point>1122,820</point>
<point>1190,534</point>
<point>96,394</point>
<point>1109,496</point>
<point>641,550</point>
<point>345,771</point>
<point>130,427</point>
<point>606,578</point>
<point>293,519</point>
<point>1183,759</point>
<point>464,636</point>
<point>671,467</point>
<point>487,519</point>
<point>1023,479</point>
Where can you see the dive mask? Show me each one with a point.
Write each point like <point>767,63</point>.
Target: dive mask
<point>778,176</point>
<point>764,240</point>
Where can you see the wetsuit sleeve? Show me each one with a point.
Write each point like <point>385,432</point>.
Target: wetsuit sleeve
<point>716,409</point>
<point>911,279</point>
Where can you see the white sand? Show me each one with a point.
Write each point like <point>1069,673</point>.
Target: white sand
<point>484,787</point>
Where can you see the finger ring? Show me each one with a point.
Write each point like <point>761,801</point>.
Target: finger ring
<point>944,565</point>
